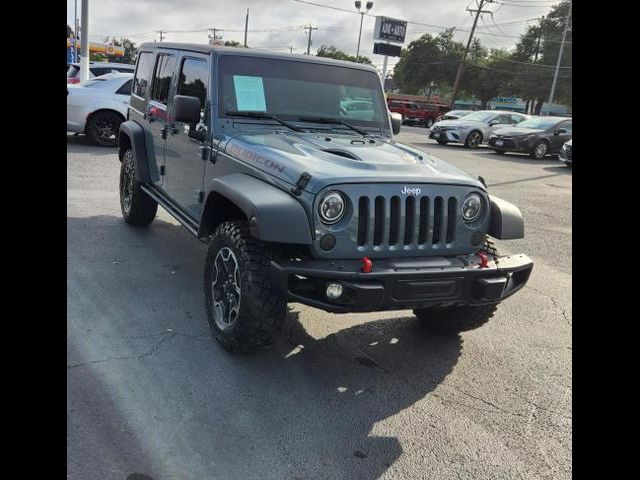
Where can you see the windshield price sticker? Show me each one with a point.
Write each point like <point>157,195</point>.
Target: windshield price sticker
<point>249,93</point>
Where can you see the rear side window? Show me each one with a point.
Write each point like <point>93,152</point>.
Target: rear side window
<point>165,65</point>
<point>143,74</point>
<point>193,79</point>
<point>126,88</point>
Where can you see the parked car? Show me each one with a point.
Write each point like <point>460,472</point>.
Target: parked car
<point>431,112</point>
<point>537,136</point>
<point>412,113</point>
<point>361,109</point>
<point>97,69</point>
<point>97,107</point>
<point>566,154</point>
<point>453,115</point>
<point>301,202</point>
<point>474,128</point>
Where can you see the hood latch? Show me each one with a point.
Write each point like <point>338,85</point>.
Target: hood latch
<point>301,183</point>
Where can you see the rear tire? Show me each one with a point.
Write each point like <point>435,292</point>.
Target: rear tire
<point>246,307</point>
<point>137,207</point>
<point>103,128</point>
<point>455,319</point>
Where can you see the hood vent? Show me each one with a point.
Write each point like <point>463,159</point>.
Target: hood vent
<point>342,153</point>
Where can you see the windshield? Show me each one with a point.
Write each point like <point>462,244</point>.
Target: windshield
<point>539,123</point>
<point>480,116</point>
<point>294,89</point>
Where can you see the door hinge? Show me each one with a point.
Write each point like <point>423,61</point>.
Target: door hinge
<point>200,196</point>
<point>161,169</point>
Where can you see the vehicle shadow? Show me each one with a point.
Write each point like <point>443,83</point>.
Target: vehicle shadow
<point>83,144</point>
<point>309,406</point>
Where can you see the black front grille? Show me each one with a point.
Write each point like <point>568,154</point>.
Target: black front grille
<point>403,221</point>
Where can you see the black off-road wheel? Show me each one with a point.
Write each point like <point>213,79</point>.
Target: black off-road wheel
<point>244,303</point>
<point>474,139</point>
<point>449,321</point>
<point>103,127</point>
<point>137,207</point>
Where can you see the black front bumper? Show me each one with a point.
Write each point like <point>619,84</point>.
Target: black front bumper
<point>510,145</point>
<point>406,283</point>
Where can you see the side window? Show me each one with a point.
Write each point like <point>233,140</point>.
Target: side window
<point>193,79</point>
<point>143,74</point>
<point>126,88</point>
<point>502,119</point>
<point>165,65</point>
<point>566,125</point>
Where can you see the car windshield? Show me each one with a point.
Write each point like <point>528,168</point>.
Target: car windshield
<point>480,116</point>
<point>295,89</point>
<point>540,123</point>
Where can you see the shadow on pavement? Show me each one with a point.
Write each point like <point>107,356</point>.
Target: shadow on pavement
<point>304,407</point>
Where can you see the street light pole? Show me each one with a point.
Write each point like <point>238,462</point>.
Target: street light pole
<point>75,32</point>
<point>368,7</point>
<point>84,49</point>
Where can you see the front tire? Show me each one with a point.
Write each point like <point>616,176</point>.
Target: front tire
<point>454,320</point>
<point>245,306</point>
<point>539,150</point>
<point>137,207</point>
<point>474,139</point>
<point>103,128</point>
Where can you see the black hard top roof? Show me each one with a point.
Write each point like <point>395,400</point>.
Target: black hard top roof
<point>250,52</point>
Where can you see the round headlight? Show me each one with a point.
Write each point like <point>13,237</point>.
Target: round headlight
<point>471,207</point>
<point>331,208</point>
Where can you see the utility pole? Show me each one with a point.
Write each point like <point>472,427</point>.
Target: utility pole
<point>535,57</point>
<point>161,32</point>
<point>555,75</point>
<point>246,26</point>
<point>291,49</point>
<point>75,32</point>
<point>84,62</point>
<point>479,11</point>
<point>310,28</point>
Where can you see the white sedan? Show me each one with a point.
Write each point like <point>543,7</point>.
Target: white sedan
<point>98,106</point>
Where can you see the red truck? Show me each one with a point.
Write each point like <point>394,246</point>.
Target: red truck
<point>417,113</point>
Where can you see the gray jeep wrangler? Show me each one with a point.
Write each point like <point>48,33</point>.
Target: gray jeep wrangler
<point>286,166</point>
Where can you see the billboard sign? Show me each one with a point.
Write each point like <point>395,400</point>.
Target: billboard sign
<point>390,29</point>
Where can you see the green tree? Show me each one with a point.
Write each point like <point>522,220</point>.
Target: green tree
<point>331,51</point>
<point>130,50</point>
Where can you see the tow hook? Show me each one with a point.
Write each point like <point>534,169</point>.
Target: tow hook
<point>484,259</point>
<point>367,265</point>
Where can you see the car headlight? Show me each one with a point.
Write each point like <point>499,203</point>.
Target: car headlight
<point>331,208</point>
<point>471,207</point>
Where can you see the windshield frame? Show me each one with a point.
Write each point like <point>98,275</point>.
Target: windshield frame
<point>381,124</point>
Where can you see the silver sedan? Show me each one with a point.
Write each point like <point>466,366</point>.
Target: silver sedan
<point>475,128</point>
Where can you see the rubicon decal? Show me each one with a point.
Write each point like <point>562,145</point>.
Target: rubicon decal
<point>248,155</point>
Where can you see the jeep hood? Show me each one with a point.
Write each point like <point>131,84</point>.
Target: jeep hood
<point>335,159</point>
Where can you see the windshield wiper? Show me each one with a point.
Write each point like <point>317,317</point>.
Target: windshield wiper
<point>325,120</point>
<point>251,114</point>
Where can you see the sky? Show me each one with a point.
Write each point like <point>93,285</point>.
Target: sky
<point>277,25</point>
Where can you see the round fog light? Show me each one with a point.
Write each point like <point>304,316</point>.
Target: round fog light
<point>334,291</point>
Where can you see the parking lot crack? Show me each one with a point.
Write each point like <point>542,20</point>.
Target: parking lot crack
<point>563,311</point>
<point>152,351</point>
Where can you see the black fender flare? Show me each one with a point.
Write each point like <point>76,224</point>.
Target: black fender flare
<point>143,152</point>
<point>274,215</point>
<point>506,221</point>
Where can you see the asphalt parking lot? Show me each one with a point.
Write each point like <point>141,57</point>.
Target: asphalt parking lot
<point>150,395</point>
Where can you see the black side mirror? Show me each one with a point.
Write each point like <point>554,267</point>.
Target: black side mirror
<point>396,122</point>
<point>558,131</point>
<point>186,109</point>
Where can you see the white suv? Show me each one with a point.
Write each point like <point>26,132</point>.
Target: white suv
<point>96,69</point>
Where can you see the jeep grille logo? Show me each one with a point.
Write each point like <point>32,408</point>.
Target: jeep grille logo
<point>411,191</point>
